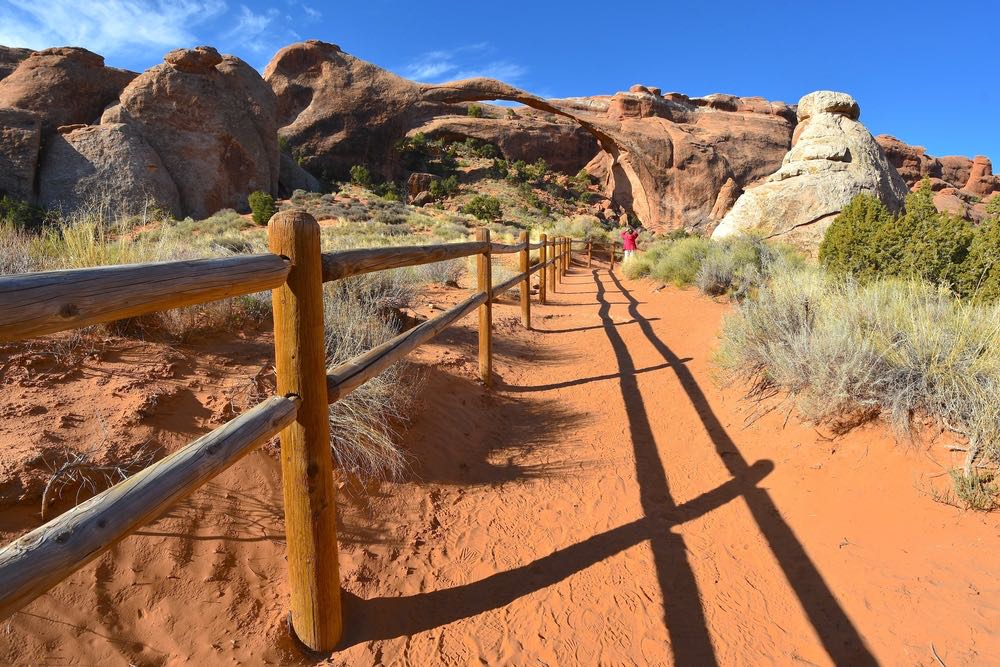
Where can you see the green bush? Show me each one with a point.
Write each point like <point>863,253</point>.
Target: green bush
<point>360,176</point>
<point>484,207</point>
<point>444,187</point>
<point>980,278</point>
<point>474,111</point>
<point>849,248</point>
<point>262,206</point>
<point>18,214</point>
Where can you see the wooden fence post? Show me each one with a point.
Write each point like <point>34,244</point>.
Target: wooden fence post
<point>568,244</point>
<point>590,252</point>
<point>612,255</point>
<point>554,268</point>
<point>559,259</point>
<point>306,459</point>
<point>484,275</point>
<point>526,285</point>
<point>542,272</point>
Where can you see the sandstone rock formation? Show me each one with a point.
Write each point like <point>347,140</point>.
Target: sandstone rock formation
<point>64,86</point>
<point>833,159</point>
<point>20,142</point>
<point>960,184</point>
<point>111,159</point>
<point>528,136</point>
<point>10,58</point>
<point>292,177</point>
<point>211,119</point>
<point>664,157</point>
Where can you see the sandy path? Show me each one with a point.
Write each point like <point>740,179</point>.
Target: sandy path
<point>603,505</point>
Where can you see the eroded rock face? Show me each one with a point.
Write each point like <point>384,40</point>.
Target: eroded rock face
<point>833,160</point>
<point>665,157</point>
<point>63,85</point>
<point>212,121</point>
<point>10,58</point>
<point>967,181</point>
<point>111,159</point>
<point>562,143</point>
<point>20,142</point>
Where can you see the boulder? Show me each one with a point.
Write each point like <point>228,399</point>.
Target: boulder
<point>955,169</point>
<point>111,161</point>
<point>64,85</point>
<point>212,121</point>
<point>833,159</point>
<point>292,177</point>
<point>418,183</point>
<point>20,142</point>
<point>981,181</point>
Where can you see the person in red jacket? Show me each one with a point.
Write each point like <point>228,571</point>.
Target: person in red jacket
<point>629,236</point>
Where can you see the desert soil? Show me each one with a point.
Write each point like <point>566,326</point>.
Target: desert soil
<point>606,503</point>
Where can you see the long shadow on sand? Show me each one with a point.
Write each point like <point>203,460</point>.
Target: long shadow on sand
<point>390,617</point>
<point>839,636</point>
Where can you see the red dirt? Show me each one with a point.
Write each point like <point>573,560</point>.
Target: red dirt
<point>603,505</point>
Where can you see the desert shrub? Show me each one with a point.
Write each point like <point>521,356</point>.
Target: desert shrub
<point>261,206</point>
<point>500,168</point>
<point>866,242</point>
<point>444,187</point>
<point>681,261</point>
<point>18,214</point>
<point>846,352</point>
<point>740,264</point>
<point>448,272</point>
<point>849,247</point>
<point>16,255</point>
<point>484,207</point>
<point>448,230</point>
<point>980,279</point>
<point>474,111</point>
<point>363,424</point>
<point>360,176</point>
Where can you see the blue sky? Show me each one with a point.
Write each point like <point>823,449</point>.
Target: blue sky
<point>928,73</point>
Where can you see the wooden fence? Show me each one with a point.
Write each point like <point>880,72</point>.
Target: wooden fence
<point>43,303</point>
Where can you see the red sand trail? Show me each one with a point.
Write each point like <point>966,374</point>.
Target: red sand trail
<point>603,504</point>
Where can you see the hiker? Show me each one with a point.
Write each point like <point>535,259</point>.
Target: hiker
<point>629,236</point>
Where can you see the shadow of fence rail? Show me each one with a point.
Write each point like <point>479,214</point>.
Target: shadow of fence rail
<point>295,269</point>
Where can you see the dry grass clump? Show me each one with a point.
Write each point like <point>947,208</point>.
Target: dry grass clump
<point>846,352</point>
<point>734,266</point>
<point>359,315</point>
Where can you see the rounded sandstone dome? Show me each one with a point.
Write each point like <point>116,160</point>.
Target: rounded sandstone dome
<point>828,101</point>
<point>198,59</point>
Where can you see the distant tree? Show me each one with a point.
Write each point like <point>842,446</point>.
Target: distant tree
<point>262,207</point>
<point>360,176</point>
<point>474,111</point>
<point>484,207</point>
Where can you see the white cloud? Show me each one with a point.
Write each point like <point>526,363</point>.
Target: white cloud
<point>312,12</point>
<point>250,28</point>
<point>108,27</point>
<point>463,62</point>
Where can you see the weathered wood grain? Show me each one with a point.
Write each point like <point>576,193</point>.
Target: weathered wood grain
<point>306,459</point>
<point>484,283</point>
<point>34,304</point>
<point>344,263</point>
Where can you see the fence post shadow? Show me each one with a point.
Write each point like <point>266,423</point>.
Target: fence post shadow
<point>839,637</point>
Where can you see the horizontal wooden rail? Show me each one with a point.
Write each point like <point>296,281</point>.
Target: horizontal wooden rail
<point>347,377</point>
<point>505,248</point>
<point>535,246</point>
<point>36,562</point>
<point>34,304</point>
<point>345,263</point>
